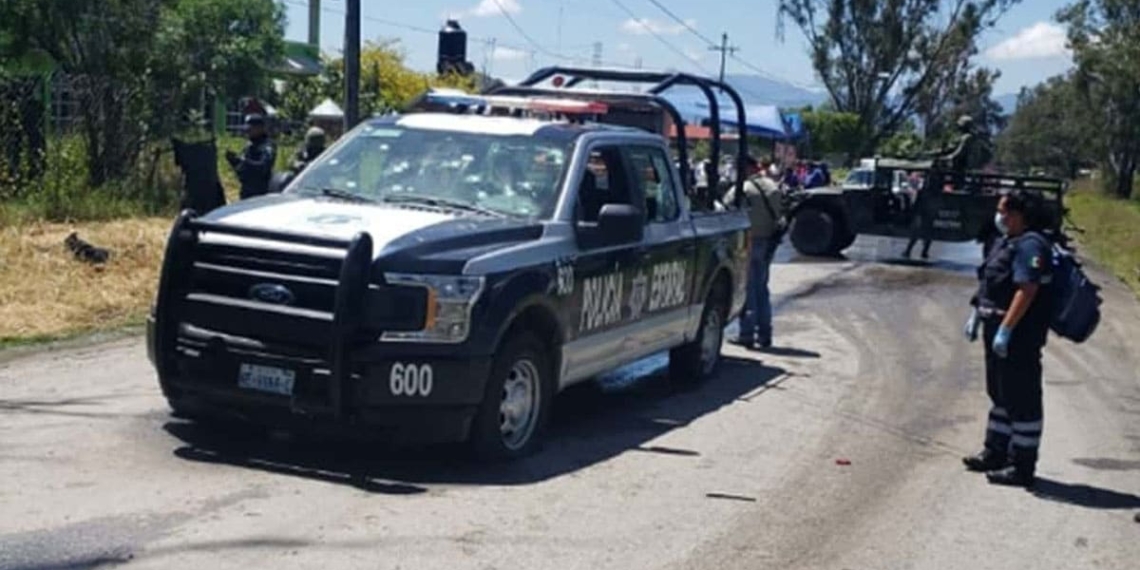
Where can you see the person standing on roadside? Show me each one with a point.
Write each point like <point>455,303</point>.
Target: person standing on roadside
<point>764,203</point>
<point>254,166</point>
<point>1013,308</point>
<point>313,147</point>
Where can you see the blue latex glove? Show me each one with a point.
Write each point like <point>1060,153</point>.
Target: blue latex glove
<point>971,329</point>
<point>1001,341</point>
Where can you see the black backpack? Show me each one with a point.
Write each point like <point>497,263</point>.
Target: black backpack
<point>1076,299</point>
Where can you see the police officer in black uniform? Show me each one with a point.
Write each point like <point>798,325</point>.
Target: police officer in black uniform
<point>1013,308</point>
<point>254,166</point>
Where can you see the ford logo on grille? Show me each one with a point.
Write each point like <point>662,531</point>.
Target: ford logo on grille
<point>271,293</point>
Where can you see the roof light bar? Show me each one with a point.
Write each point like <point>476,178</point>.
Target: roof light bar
<point>539,104</point>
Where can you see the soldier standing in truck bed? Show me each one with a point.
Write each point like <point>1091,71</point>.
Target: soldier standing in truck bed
<point>971,152</point>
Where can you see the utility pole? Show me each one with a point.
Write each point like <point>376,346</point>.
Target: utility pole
<point>315,23</point>
<point>351,64</point>
<point>596,59</point>
<point>725,50</point>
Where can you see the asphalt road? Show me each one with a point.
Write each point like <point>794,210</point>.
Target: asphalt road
<point>838,450</point>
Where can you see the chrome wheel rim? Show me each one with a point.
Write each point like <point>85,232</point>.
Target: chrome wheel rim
<point>518,409</point>
<point>711,341</point>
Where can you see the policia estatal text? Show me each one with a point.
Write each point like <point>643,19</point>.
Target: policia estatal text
<point>1013,308</point>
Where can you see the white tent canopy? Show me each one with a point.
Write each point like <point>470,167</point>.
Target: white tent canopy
<point>327,110</point>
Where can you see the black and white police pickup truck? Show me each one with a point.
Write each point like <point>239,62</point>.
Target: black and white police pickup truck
<point>441,277</point>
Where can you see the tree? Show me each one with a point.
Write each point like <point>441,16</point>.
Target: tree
<point>220,46</point>
<point>386,82</point>
<point>831,132</point>
<point>105,47</point>
<point>1052,129</point>
<point>970,94</point>
<point>1106,47</point>
<point>878,59</point>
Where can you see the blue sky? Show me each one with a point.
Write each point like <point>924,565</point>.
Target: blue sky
<point>1026,46</point>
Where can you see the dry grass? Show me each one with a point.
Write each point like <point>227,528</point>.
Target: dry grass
<point>45,293</point>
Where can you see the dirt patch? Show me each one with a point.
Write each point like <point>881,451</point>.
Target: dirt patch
<point>45,293</point>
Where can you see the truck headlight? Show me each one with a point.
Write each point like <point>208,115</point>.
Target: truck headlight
<point>447,316</point>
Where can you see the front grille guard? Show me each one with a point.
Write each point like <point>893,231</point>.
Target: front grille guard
<point>348,305</point>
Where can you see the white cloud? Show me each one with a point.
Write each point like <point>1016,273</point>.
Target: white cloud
<point>693,54</point>
<point>508,54</point>
<point>1039,41</point>
<point>646,26</point>
<point>494,8</point>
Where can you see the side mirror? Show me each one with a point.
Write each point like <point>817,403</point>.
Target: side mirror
<point>617,224</point>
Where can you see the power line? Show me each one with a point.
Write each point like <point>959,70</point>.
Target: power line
<point>523,33</point>
<point>660,39</point>
<point>420,29</point>
<point>682,22</point>
<point>758,70</point>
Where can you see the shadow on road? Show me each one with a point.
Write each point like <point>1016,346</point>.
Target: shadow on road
<point>1084,495</point>
<point>789,352</point>
<point>590,423</point>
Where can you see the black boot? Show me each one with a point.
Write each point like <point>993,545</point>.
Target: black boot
<point>985,461</point>
<point>1013,476</point>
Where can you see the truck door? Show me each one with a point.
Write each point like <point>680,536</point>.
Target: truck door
<point>661,286</point>
<point>598,310</point>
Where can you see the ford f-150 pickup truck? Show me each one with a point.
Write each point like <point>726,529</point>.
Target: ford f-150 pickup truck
<point>441,276</point>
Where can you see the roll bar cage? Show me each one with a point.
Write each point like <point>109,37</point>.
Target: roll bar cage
<point>660,82</point>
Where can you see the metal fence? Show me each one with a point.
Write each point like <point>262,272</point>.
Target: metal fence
<point>105,135</point>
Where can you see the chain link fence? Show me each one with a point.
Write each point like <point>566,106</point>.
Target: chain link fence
<point>86,146</point>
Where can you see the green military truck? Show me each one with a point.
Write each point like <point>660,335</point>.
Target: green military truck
<point>910,198</point>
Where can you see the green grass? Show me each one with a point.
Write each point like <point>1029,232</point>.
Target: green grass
<point>63,194</point>
<point>1112,231</point>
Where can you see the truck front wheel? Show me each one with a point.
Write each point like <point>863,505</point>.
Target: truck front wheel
<point>698,360</point>
<point>814,232</point>
<point>516,404</point>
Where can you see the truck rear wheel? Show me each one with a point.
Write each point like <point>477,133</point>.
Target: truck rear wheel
<point>516,404</point>
<point>814,232</point>
<point>844,241</point>
<point>697,361</point>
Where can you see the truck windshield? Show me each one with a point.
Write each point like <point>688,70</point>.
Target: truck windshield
<point>514,175</point>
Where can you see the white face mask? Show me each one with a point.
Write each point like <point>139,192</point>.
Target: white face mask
<point>999,221</point>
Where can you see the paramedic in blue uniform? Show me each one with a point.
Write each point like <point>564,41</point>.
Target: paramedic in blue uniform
<point>1012,307</point>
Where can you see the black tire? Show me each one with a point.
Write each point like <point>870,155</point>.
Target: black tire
<point>694,363</point>
<point>844,241</point>
<point>814,232</point>
<point>520,354</point>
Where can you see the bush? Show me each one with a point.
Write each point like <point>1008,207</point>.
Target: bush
<point>62,191</point>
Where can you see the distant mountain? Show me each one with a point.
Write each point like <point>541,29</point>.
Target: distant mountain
<point>757,90</point>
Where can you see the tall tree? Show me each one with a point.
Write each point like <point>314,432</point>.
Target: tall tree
<point>970,94</point>
<point>386,82</point>
<point>224,46</point>
<point>879,58</point>
<point>1105,38</point>
<point>1052,129</point>
<point>105,47</point>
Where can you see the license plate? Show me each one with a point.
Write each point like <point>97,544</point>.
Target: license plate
<point>266,379</point>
